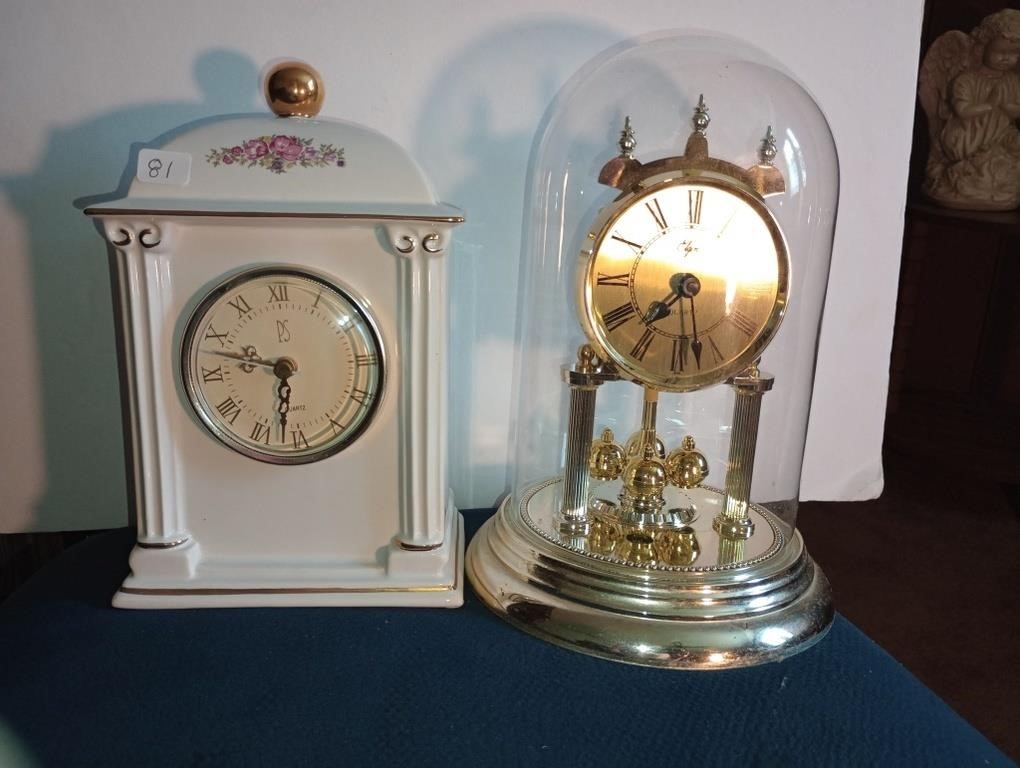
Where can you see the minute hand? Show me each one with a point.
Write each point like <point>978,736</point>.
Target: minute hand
<point>696,343</point>
<point>241,358</point>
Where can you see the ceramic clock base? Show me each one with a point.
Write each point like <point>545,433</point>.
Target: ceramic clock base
<point>677,617</point>
<point>182,578</point>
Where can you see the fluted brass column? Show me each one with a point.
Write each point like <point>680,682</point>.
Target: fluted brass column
<point>734,522</point>
<point>583,380</point>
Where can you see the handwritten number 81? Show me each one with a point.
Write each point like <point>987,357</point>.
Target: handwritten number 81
<point>156,165</point>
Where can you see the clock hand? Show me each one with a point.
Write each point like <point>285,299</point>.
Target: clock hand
<point>283,392</point>
<point>696,343</point>
<point>249,359</point>
<point>660,309</point>
<point>689,286</point>
<point>681,285</point>
<point>283,369</point>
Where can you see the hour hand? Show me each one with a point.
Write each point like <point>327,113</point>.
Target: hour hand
<point>657,310</point>
<point>660,309</point>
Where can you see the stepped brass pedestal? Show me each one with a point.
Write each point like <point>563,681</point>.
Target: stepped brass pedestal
<point>680,595</point>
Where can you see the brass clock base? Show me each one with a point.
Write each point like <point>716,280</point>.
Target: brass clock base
<point>723,612</point>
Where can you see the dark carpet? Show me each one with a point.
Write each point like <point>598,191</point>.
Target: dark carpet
<point>930,572</point>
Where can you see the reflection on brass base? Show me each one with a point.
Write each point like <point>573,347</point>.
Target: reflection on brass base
<point>663,539</point>
<point>761,602</point>
<point>733,529</point>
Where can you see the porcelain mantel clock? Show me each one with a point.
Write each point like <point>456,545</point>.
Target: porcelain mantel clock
<point>282,333</point>
<point>674,545</point>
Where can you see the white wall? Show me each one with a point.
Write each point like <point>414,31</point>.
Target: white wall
<point>463,87</point>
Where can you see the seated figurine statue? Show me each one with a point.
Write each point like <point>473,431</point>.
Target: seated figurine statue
<point>970,91</point>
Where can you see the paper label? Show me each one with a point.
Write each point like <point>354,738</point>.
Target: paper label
<point>156,166</point>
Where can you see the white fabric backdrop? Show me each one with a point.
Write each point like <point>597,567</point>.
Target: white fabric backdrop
<point>463,87</point>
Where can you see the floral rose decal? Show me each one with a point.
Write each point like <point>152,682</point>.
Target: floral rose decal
<point>278,154</point>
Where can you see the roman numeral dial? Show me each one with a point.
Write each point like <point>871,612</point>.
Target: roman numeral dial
<point>282,366</point>
<point>686,282</point>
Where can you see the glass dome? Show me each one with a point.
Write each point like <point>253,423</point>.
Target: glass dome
<point>657,82</point>
<point>676,252</point>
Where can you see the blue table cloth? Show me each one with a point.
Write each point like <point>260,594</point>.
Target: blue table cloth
<point>84,684</point>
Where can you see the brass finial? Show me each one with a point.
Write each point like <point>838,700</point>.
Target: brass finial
<point>294,89</point>
<point>765,178</point>
<point>587,361</point>
<point>701,118</point>
<point>627,141</point>
<point>696,150</point>
<point>622,166</point>
<point>767,151</point>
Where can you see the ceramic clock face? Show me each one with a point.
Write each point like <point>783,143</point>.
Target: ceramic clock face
<point>686,283</point>
<point>282,366</point>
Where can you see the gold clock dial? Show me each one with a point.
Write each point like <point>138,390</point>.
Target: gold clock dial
<point>685,284</point>
<point>282,365</point>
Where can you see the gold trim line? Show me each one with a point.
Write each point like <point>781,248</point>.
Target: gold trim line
<point>269,215</point>
<point>163,544</point>
<point>420,547</point>
<point>282,590</point>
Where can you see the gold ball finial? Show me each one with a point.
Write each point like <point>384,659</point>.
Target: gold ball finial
<point>586,359</point>
<point>687,467</point>
<point>645,476</point>
<point>635,443</point>
<point>294,89</point>
<point>607,458</point>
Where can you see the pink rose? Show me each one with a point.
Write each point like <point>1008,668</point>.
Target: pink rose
<point>290,152</point>
<point>236,151</point>
<point>255,148</point>
<point>280,144</point>
<point>227,159</point>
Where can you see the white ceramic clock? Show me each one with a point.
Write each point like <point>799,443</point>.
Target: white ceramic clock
<point>282,318</point>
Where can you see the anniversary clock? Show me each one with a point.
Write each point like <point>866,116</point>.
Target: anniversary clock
<point>282,316</point>
<point>670,306</point>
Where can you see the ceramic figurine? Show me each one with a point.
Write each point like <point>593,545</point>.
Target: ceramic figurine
<point>970,91</point>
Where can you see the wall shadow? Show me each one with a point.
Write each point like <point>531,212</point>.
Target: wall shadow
<point>474,140</point>
<point>79,395</point>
